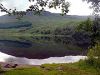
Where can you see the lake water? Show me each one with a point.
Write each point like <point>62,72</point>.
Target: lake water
<point>40,50</point>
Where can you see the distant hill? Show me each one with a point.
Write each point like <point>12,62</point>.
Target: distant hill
<point>54,16</point>
<point>47,21</point>
<point>44,16</point>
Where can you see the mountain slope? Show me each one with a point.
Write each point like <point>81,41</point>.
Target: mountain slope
<point>45,22</point>
<point>44,16</point>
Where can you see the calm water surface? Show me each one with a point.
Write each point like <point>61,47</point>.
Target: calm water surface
<point>40,50</point>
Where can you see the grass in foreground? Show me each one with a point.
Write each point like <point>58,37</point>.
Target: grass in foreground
<point>80,68</point>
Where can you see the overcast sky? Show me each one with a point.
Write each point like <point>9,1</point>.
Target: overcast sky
<point>77,6</point>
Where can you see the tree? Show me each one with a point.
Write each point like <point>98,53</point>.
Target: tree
<point>38,7</point>
<point>94,50</point>
<point>85,26</point>
<point>91,28</point>
<point>94,56</point>
<point>95,5</point>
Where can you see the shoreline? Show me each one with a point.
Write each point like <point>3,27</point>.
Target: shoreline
<point>3,64</point>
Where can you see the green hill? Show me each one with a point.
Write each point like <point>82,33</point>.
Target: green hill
<point>46,22</point>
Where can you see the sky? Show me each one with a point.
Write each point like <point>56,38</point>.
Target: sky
<point>77,7</point>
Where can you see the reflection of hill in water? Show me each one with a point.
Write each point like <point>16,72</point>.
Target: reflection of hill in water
<point>41,47</point>
<point>10,43</point>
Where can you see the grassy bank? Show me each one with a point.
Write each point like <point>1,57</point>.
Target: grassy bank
<point>79,68</point>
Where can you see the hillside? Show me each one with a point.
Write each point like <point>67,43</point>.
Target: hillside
<point>45,22</point>
<point>47,16</point>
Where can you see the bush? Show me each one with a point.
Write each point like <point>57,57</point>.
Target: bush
<point>94,56</point>
<point>85,26</point>
<point>91,29</point>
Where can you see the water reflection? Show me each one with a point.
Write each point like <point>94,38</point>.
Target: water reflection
<point>66,59</point>
<point>41,47</point>
<point>10,43</point>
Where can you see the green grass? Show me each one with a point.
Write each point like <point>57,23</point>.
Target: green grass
<point>80,68</point>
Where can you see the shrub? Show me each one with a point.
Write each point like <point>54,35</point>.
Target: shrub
<point>94,56</point>
<point>91,29</point>
<point>85,26</point>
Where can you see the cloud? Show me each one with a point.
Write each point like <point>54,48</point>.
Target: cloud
<point>79,8</point>
<point>18,4</point>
